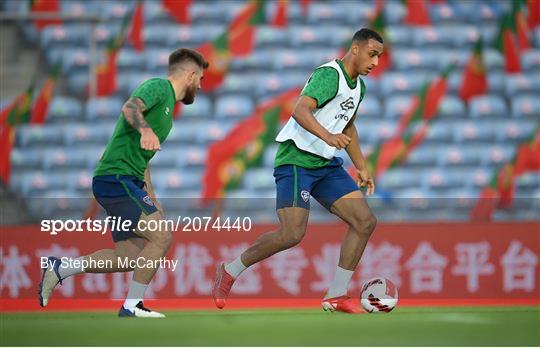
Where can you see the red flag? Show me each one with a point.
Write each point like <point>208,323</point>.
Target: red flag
<point>534,13</point>
<point>228,158</point>
<point>474,80</point>
<point>52,6</point>
<point>506,43</point>
<point>7,137</point>
<point>304,4</point>
<point>41,105</point>
<point>280,16</point>
<point>219,59</point>
<point>378,23</point>
<point>521,26</point>
<point>241,36</point>
<point>177,110</point>
<point>137,24</point>
<point>417,13</point>
<point>178,9</point>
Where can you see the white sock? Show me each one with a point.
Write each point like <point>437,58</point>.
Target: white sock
<point>135,294</point>
<point>340,283</point>
<point>235,268</point>
<point>71,268</point>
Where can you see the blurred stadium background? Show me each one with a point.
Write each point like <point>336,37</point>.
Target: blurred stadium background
<point>449,122</point>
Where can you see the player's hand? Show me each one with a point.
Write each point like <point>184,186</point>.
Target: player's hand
<point>365,180</point>
<point>339,141</point>
<point>149,140</point>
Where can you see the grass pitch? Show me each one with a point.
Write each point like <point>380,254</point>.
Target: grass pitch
<point>407,326</point>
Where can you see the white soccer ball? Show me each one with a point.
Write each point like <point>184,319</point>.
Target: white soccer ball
<point>379,295</point>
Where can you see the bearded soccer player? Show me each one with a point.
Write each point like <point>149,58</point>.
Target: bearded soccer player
<point>122,184</point>
<point>322,122</point>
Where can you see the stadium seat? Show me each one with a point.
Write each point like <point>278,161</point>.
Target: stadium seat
<point>238,82</point>
<point>159,35</point>
<point>64,109</point>
<point>522,83</point>
<point>201,108</point>
<point>497,155</point>
<point>234,106</point>
<point>167,159</point>
<point>452,107</point>
<point>514,131</point>
<point>82,133</point>
<point>66,158</point>
<point>65,34</point>
<point>269,155</point>
<point>430,37</point>
<point>200,13</point>
<point>103,108</point>
<point>443,58</point>
<point>410,59</point>
<point>257,60</point>
<point>457,156</point>
<point>270,37</point>
<point>443,13</point>
<point>258,178</point>
<point>326,13</point>
<point>526,106</point>
<point>38,135</point>
<point>192,156</point>
<point>393,83</point>
<point>289,59</point>
<point>399,35</point>
<point>472,132</point>
<point>307,36</point>
<point>396,107</point>
<point>528,181</point>
<point>26,158</point>
<point>273,83</point>
<point>488,106</point>
<point>74,60</point>
<point>369,107</point>
<point>165,179</point>
<point>399,178</point>
<point>438,179</point>
<point>536,37</point>
<point>394,12</point>
<point>130,60</point>
<point>191,36</point>
<point>439,132</point>
<point>530,60</point>
<point>477,178</point>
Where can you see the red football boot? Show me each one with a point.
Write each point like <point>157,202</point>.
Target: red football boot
<point>340,304</point>
<point>222,286</point>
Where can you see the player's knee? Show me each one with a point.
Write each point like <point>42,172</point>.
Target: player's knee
<point>291,237</point>
<point>163,239</point>
<point>364,224</point>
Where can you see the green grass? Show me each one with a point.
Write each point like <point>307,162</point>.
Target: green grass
<point>407,326</point>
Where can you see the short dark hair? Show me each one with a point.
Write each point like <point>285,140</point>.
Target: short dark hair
<point>182,55</point>
<point>365,34</point>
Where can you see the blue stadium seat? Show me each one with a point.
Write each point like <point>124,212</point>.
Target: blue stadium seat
<point>452,107</point>
<point>93,154</point>
<point>64,157</point>
<point>478,178</point>
<point>472,132</point>
<point>65,34</point>
<point>26,158</point>
<point>103,108</point>
<point>369,107</point>
<point>385,130</point>
<point>258,60</point>
<point>83,133</point>
<point>129,59</point>
<point>290,59</point>
<point>409,59</point>
<point>530,60</point>
<point>35,183</point>
<point>493,59</point>
<point>439,132</point>
<point>399,35</point>
<point>201,13</point>
<point>488,106</point>
<point>270,37</point>
<point>394,12</point>
<point>78,82</point>
<point>258,178</point>
<point>526,106</point>
<point>38,135</point>
<point>403,82</point>
<point>461,35</point>
<point>201,108</point>
<point>429,37</point>
<point>157,60</point>
<point>536,37</point>
<point>82,181</point>
<point>233,106</point>
<point>477,12</point>
<point>307,36</point>
<point>497,155</point>
<point>528,181</point>
<point>396,107</point>
<point>192,156</point>
<point>443,179</point>
<point>514,131</point>
<point>79,8</point>
<point>165,159</point>
<point>116,10</point>
<point>443,13</point>
<point>191,36</point>
<point>522,83</point>
<point>64,109</point>
<point>399,178</point>
<point>173,179</point>
<point>326,13</point>
<point>495,82</point>
<point>159,35</point>
<point>444,57</point>
<point>75,60</point>
<point>457,156</point>
<point>269,155</point>
<point>273,83</point>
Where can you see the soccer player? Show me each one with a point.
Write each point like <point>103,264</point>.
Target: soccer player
<point>322,122</point>
<point>122,183</point>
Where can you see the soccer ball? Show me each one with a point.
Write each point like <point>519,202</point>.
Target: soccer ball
<point>379,295</point>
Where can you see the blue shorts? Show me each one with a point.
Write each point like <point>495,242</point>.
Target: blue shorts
<point>296,184</point>
<point>123,197</point>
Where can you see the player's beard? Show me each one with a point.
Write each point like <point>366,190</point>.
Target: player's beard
<point>189,98</point>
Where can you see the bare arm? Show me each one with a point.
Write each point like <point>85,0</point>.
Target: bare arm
<point>133,110</point>
<point>355,153</point>
<point>303,114</point>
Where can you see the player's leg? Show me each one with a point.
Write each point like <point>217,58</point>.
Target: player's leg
<point>57,271</point>
<point>293,212</point>
<point>340,195</point>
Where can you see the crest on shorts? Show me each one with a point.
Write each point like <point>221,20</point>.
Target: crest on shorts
<point>305,195</point>
<point>148,200</point>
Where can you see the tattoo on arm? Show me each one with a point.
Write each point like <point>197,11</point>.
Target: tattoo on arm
<point>133,112</point>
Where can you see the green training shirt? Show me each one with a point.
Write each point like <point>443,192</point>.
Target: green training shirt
<point>123,154</point>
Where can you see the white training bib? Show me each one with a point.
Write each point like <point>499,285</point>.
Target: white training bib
<point>333,116</point>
